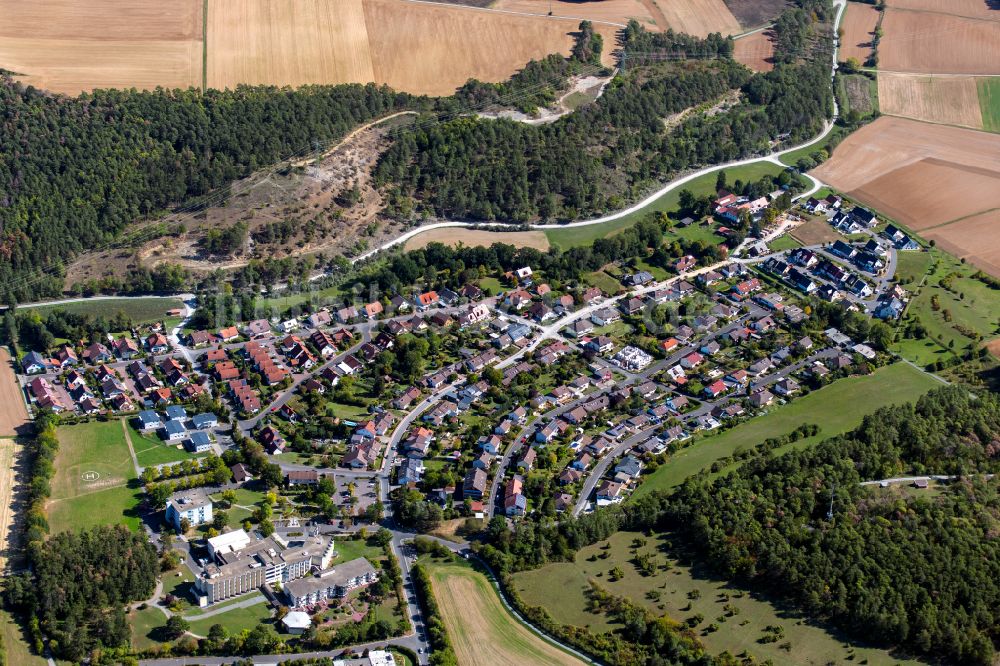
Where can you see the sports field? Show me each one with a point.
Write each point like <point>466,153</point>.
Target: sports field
<point>13,412</point>
<point>952,100</point>
<point>561,588</point>
<point>480,628</point>
<point>95,482</point>
<point>835,409</point>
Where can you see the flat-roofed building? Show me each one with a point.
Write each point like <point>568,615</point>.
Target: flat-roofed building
<point>331,584</point>
<point>194,505</point>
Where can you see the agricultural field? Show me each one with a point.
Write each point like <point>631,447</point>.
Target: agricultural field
<point>938,43</point>
<point>699,17</point>
<point>756,51</point>
<point>419,48</point>
<point>940,181</point>
<point>144,310</point>
<point>835,409</point>
<point>980,9</point>
<point>69,46</point>
<point>479,627</point>
<point>95,482</point>
<point>13,412</point>
<point>12,472</point>
<point>989,103</point>
<point>951,100</point>
<point>618,12</point>
<point>755,13</point>
<point>858,25</point>
<point>858,93</point>
<point>473,237</point>
<point>682,589</point>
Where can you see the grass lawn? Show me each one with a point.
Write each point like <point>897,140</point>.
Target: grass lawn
<point>561,589</point>
<point>349,412</point>
<point>989,103</point>
<point>351,549</point>
<point>15,646</point>
<point>478,624</point>
<point>835,409</point>
<point>145,624</point>
<point>603,281</point>
<point>576,236</point>
<point>234,620</point>
<point>95,482</point>
<point>970,305</point>
<point>912,266</point>
<point>784,242</point>
<point>791,158</point>
<point>150,450</point>
<point>139,310</point>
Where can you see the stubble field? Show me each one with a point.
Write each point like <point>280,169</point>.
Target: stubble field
<point>858,25</point>
<point>70,45</point>
<point>952,100</point>
<point>756,51</point>
<point>13,413</point>
<point>699,17</point>
<point>971,8</point>
<point>938,43</point>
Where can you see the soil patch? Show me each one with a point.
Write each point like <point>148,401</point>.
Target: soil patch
<point>858,25</point>
<point>756,51</point>
<point>454,236</point>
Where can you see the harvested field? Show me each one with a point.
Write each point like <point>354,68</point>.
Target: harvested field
<point>10,453</point>
<point>416,48</point>
<point>932,43</point>
<point>419,48</point>
<point>71,45</point>
<point>931,192</point>
<point>952,100</point>
<point>975,239</point>
<point>611,11</point>
<point>474,237</point>
<point>699,17</point>
<point>13,413</point>
<point>308,41</point>
<point>756,51</point>
<point>892,143</point>
<point>858,25</point>
<point>480,628</point>
<point>971,8</point>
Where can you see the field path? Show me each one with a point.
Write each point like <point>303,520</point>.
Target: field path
<point>131,449</point>
<point>353,133</point>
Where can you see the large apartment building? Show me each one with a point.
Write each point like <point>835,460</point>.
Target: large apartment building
<point>331,584</point>
<point>240,563</point>
<point>194,505</point>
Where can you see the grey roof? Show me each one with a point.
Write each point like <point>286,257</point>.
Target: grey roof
<point>200,438</point>
<point>338,576</point>
<point>202,420</point>
<point>173,427</point>
<point>148,416</point>
<point>176,412</point>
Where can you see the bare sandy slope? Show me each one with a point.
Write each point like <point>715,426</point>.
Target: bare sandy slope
<point>858,25</point>
<point>474,237</point>
<point>933,43</point>
<point>953,100</point>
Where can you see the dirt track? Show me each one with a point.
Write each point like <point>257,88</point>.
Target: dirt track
<point>13,413</point>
